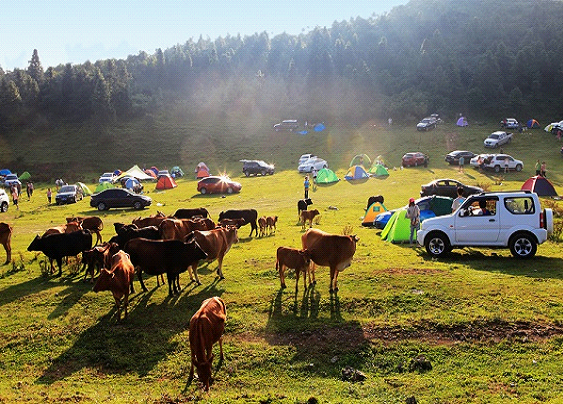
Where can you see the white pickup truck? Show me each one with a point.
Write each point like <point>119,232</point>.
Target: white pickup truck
<point>497,139</point>
<point>512,220</point>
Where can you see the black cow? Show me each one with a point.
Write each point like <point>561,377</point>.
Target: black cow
<point>126,233</point>
<point>157,257</point>
<point>373,199</point>
<point>190,213</point>
<point>57,246</point>
<point>249,215</point>
<point>302,205</point>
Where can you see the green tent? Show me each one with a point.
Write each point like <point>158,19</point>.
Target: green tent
<point>378,170</point>
<point>85,190</point>
<point>361,160</point>
<point>103,185</point>
<point>326,176</point>
<point>25,176</point>
<point>398,228</point>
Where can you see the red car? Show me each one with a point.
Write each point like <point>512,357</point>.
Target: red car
<point>218,185</point>
<point>414,159</point>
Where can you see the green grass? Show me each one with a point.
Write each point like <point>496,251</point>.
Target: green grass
<point>489,324</point>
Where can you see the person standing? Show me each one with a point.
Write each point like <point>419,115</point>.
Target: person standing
<point>49,194</point>
<point>538,167</point>
<point>543,172</point>
<point>306,184</point>
<point>461,163</point>
<point>15,197</point>
<point>413,213</point>
<point>459,200</point>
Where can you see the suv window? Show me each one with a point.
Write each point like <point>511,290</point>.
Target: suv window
<point>520,206</point>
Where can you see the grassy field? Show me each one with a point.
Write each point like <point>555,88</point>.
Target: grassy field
<point>478,326</point>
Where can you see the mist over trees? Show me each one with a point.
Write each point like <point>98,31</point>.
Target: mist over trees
<point>482,58</point>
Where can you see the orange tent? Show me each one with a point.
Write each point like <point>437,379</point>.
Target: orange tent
<point>166,182</point>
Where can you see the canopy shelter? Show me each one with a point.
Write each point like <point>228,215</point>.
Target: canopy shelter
<point>326,176</point>
<point>135,172</point>
<point>540,185</point>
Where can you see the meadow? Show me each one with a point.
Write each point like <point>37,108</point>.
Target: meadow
<point>477,326</point>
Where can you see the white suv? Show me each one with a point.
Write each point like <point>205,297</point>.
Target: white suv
<point>4,201</point>
<point>512,220</point>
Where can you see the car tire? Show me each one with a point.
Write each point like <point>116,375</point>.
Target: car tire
<point>437,244</point>
<point>523,245</point>
<point>4,207</point>
<point>137,205</point>
<point>497,169</point>
<point>229,190</point>
<point>102,206</point>
<point>518,167</point>
<point>203,191</point>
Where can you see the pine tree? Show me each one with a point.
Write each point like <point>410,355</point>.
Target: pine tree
<point>35,70</point>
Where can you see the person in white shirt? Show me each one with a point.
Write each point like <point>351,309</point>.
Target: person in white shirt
<point>413,213</point>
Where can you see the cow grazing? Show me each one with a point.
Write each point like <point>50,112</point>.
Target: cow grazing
<point>63,228</point>
<point>6,240</point>
<point>127,233</point>
<point>178,229</point>
<point>216,243</point>
<point>92,223</point>
<point>249,215</point>
<point>332,250</point>
<point>373,199</point>
<point>262,225</point>
<point>299,260</point>
<point>153,220</point>
<point>156,257</point>
<point>309,215</point>
<point>238,223</point>
<point>191,213</point>
<point>98,258</point>
<point>206,328</point>
<point>57,246</point>
<point>302,204</point>
<point>271,223</point>
<point>119,280</point>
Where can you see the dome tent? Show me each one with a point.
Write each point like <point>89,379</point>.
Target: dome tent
<point>361,160</point>
<point>85,190</point>
<point>103,185</point>
<point>533,124</point>
<point>371,213</point>
<point>540,185</point>
<point>462,121</point>
<point>166,182</point>
<point>356,173</point>
<point>379,171</point>
<point>25,176</point>
<point>326,176</point>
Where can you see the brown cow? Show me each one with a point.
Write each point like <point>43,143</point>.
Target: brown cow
<point>153,220</point>
<point>97,258</point>
<point>238,223</point>
<point>119,280</point>
<point>216,243</point>
<point>262,225</point>
<point>309,215</point>
<point>295,259</point>
<point>206,328</point>
<point>178,229</point>
<point>92,223</point>
<point>5,240</point>
<point>63,228</point>
<point>330,250</point>
<point>271,222</point>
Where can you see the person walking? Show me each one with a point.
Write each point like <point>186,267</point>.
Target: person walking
<point>306,184</point>
<point>15,197</point>
<point>413,213</point>
<point>543,171</point>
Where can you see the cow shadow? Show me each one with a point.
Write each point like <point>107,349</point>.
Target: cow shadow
<point>131,346</point>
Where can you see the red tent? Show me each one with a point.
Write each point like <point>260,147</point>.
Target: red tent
<point>540,185</point>
<point>166,182</point>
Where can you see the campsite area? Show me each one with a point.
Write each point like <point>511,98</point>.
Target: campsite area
<point>477,326</point>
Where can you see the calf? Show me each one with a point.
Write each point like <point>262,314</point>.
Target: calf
<point>191,213</point>
<point>238,223</point>
<point>295,259</point>
<point>57,246</point>
<point>98,258</point>
<point>127,233</point>
<point>271,222</point>
<point>302,205</point>
<point>119,280</point>
<point>330,250</point>
<point>249,215</point>
<point>262,225</point>
<point>178,229</point>
<point>156,257</point>
<point>6,240</point>
<point>216,243</point>
<point>206,328</point>
<point>309,215</point>
<point>63,228</point>
<point>92,223</point>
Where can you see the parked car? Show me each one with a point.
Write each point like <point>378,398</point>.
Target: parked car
<point>288,124</point>
<point>498,162</point>
<point>255,167</point>
<point>497,139</point>
<point>474,162</point>
<point>448,187</point>
<point>4,201</point>
<point>11,179</point>
<point>453,157</point>
<point>106,177</point>
<point>414,159</point>
<point>427,123</point>
<point>313,163</point>
<point>305,157</point>
<point>509,123</point>
<point>69,194</point>
<point>218,185</point>
<point>119,198</point>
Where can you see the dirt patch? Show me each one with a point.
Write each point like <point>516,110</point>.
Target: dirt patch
<point>412,271</point>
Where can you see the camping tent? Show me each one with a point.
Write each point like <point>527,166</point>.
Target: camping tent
<point>379,171</point>
<point>533,124</point>
<point>398,228</point>
<point>5,172</point>
<point>150,172</point>
<point>362,160</point>
<point>137,173</point>
<point>356,173</point>
<point>85,190</point>
<point>176,172</point>
<point>462,121</point>
<point>374,209</point>
<point>326,176</point>
<point>540,185</point>
<point>165,182</point>
<point>103,185</point>
<point>25,176</point>
<point>319,127</point>
<point>202,171</point>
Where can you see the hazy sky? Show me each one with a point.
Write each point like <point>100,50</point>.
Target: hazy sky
<point>78,30</point>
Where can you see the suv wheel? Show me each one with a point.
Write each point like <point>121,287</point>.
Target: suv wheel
<point>4,207</point>
<point>138,205</point>
<point>437,245</point>
<point>263,173</point>
<point>497,169</point>
<point>203,191</point>
<point>523,246</point>
<point>518,167</point>
<point>102,206</point>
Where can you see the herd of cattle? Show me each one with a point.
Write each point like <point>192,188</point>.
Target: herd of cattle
<point>171,245</point>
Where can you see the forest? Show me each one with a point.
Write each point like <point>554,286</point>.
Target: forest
<point>484,58</point>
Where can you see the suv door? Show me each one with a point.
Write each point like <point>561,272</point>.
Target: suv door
<point>474,228</point>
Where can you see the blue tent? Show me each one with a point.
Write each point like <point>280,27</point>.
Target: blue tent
<point>356,173</point>
<point>533,124</point>
<point>132,183</point>
<point>319,127</point>
<point>5,172</point>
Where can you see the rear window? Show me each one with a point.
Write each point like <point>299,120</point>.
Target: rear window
<point>520,205</point>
